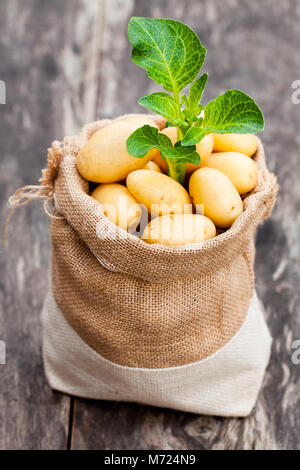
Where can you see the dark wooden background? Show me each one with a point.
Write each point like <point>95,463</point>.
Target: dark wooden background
<point>67,62</point>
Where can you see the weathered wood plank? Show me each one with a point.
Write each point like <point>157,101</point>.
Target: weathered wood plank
<point>252,46</point>
<point>41,61</point>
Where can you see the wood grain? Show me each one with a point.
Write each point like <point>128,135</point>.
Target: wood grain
<point>40,56</point>
<point>67,63</point>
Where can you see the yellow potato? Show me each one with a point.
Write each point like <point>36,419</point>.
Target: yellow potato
<point>216,196</point>
<point>104,158</point>
<point>159,193</point>
<point>152,166</point>
<point>243,143</point>
<point>158,160</point>
<point>239,168</point>
<point>204,148</point>
<point>118,204</point>
<point>179,229</point>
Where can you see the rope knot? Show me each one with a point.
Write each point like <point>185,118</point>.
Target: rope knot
<point>27,194</point>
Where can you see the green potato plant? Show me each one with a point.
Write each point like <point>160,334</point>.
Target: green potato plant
<point>172,55</point>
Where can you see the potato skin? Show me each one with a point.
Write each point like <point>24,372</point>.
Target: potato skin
<point>243,143</point>
<point>118,204</point>
<point>104,157</point>
<point>152,166</point>
<point>239,168</point>
<point>158,192</point>
<point>179,229</point>
<point>204,148</point>
<point>221,201</point>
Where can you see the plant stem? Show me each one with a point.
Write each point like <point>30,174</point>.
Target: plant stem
<point>177,100</point>
<point>179,134</point>
<point>176,170</point>
<point>176,97</point>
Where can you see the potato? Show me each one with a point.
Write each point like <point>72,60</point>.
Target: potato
<point>204,148</point>
<point>118,204</point>
<point>215,192</point>
<point>239,168</point>
<point>104,158</point>
<point>179,229</point>
<point>159,193</point>
<point>243,143</point>
<point>152,166</point>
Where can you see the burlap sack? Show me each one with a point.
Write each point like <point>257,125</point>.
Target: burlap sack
<point>168,326</point>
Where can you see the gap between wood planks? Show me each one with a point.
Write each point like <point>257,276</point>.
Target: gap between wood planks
<point>70,424</point>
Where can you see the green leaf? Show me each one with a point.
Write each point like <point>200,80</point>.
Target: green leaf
<point>184,154</point>
<point>196,91</point>
<point>233,112</point>
<point>163,104</point>
<point>168,50</point>
<point>199,121</point>
<point>144,139</point>
<point>184,100</point>
<point>193,107</point>
<point>147,137</point>
<point>194,135</point>
<point>192,115</point>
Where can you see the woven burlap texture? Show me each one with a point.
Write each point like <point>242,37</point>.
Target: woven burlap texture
<point>144,305</point>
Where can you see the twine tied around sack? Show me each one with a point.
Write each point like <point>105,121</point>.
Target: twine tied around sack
<point>44,191</point>
<point>27,194</point>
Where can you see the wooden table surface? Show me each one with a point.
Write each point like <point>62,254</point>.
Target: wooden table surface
<point>66,63</point>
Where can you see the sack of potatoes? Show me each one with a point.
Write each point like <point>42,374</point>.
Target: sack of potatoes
<point>152,294</point>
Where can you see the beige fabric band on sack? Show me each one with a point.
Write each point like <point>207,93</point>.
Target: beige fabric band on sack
<point>225,384</point>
